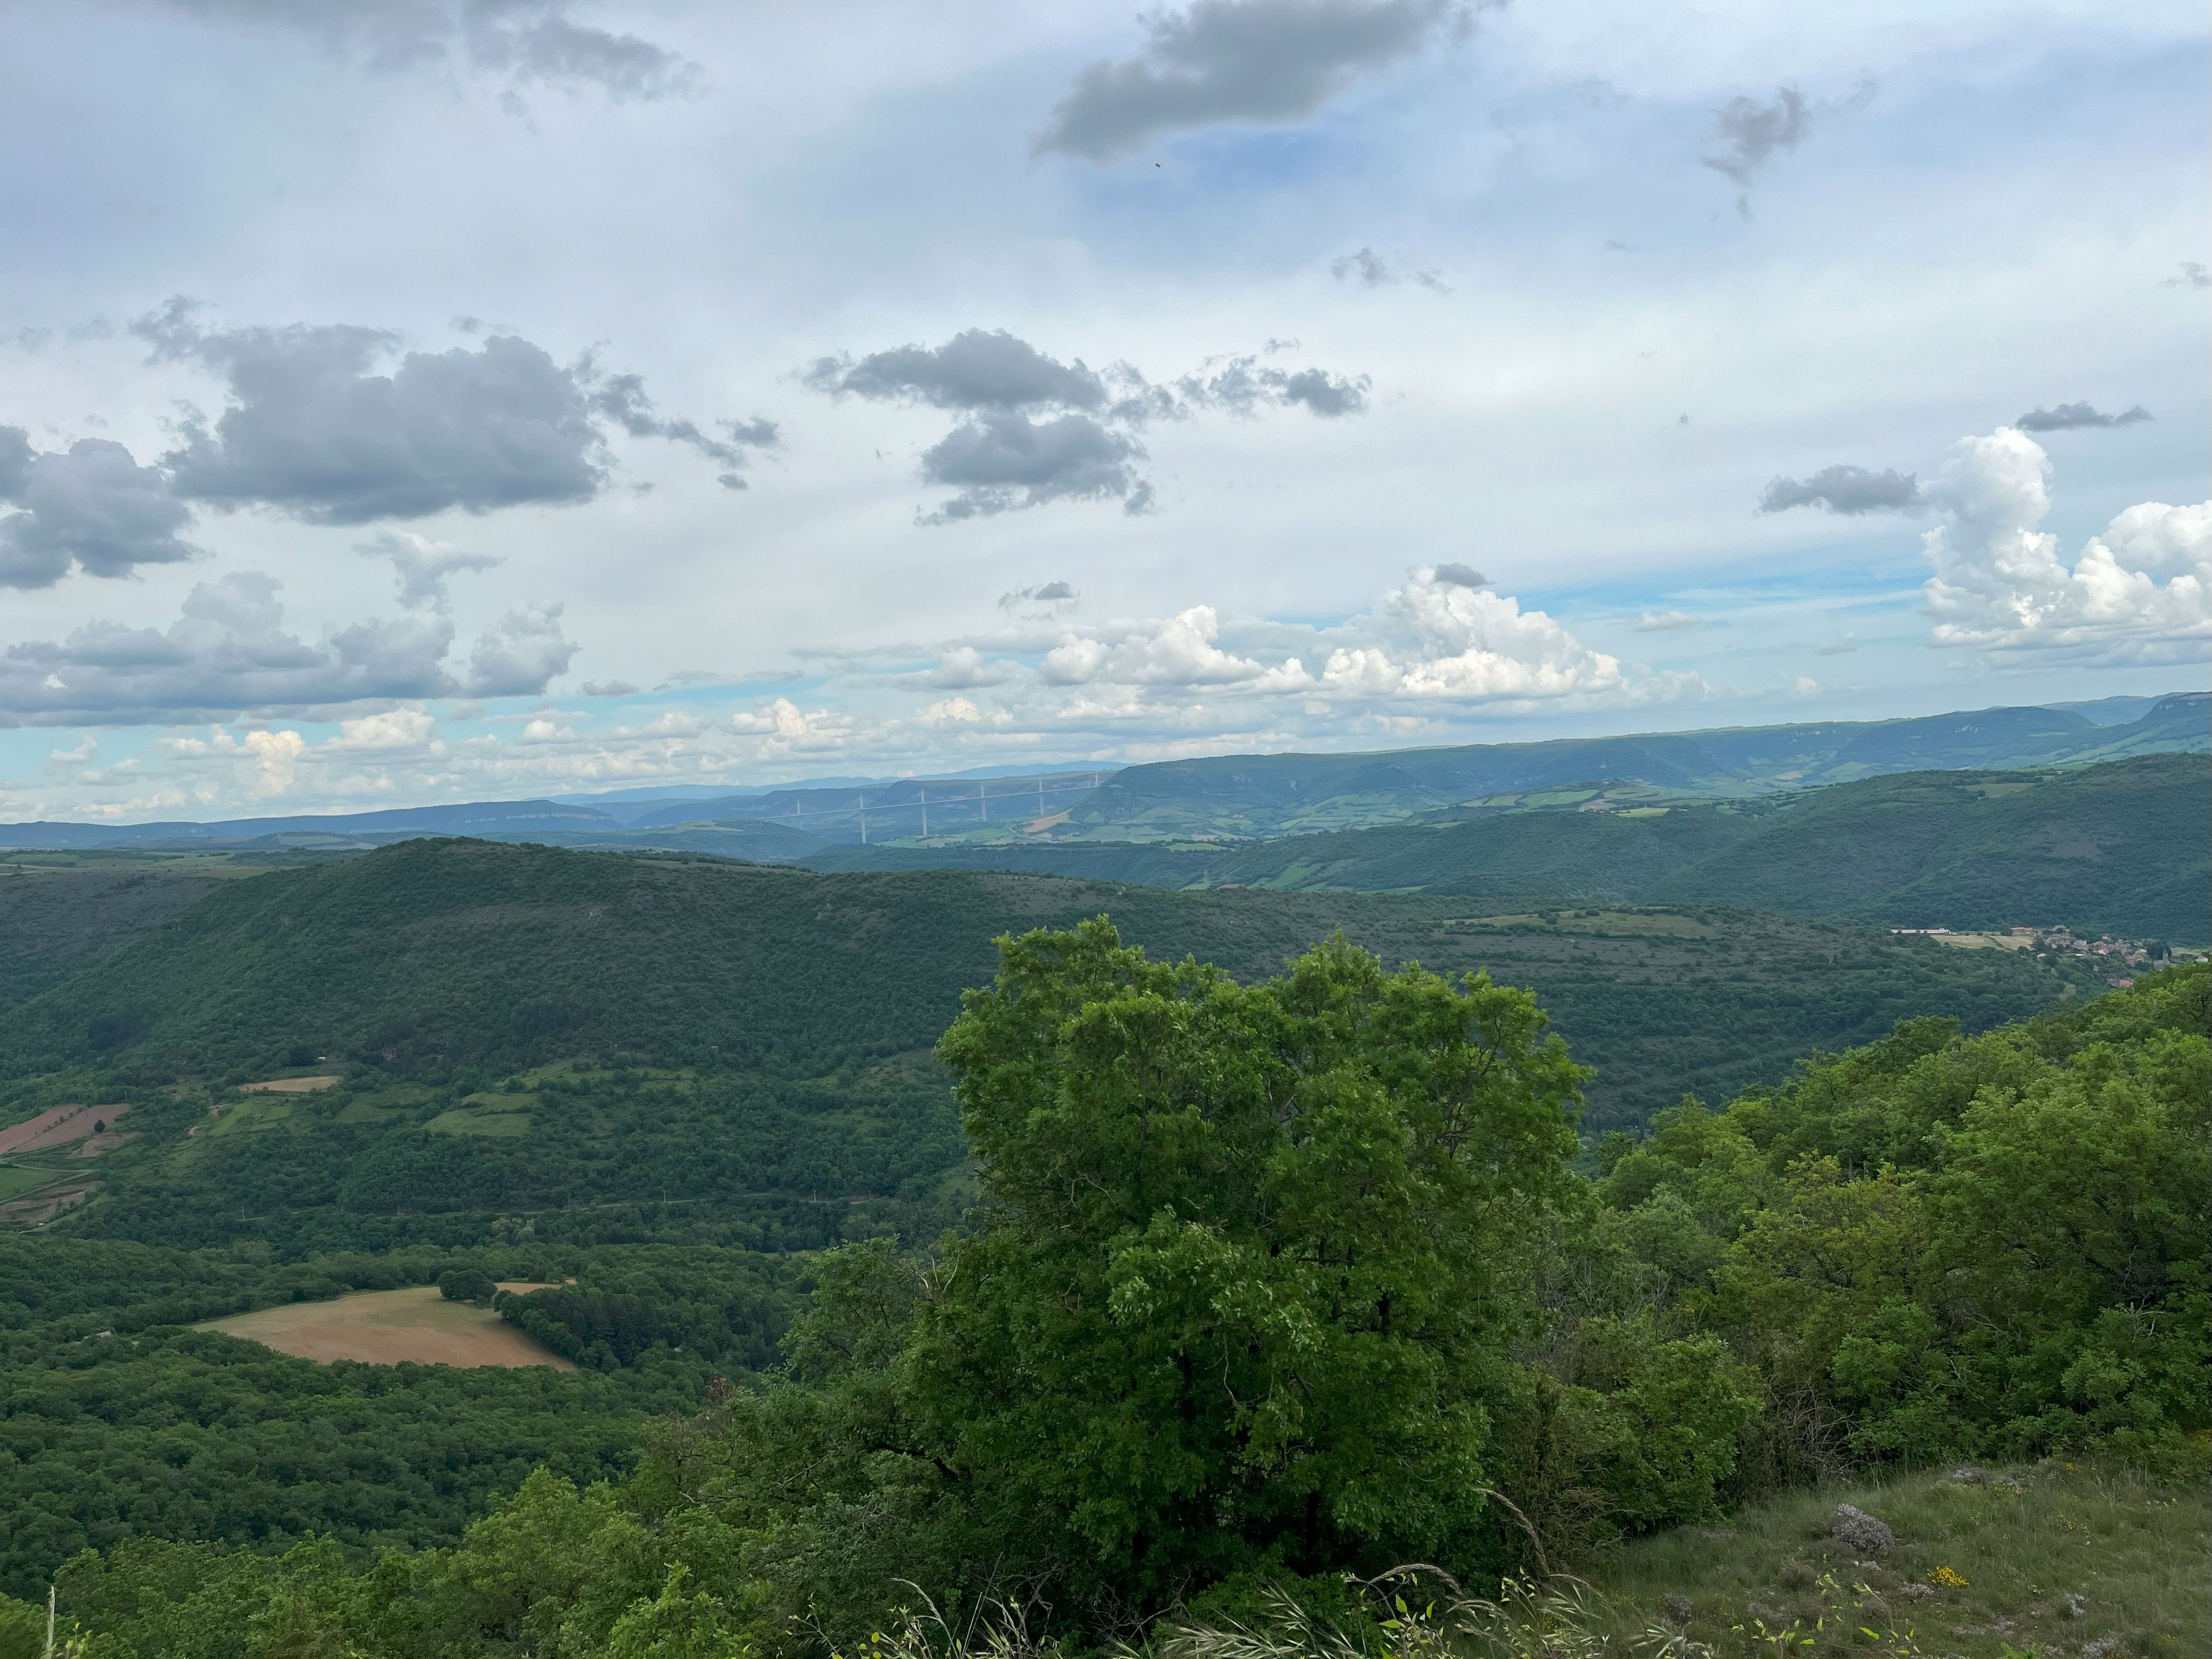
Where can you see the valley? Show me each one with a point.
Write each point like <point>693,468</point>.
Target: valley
<point>683,1121</point>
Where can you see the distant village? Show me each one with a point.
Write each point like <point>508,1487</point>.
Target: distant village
<point>2062,939</point>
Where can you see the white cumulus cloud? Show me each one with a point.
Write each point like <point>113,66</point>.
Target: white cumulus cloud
<point>2140,592</point>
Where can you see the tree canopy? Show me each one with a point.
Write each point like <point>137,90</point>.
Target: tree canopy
<point>1243,1288</point>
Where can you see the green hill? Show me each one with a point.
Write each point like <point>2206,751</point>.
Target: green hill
<point>1953,1281</point>
<point>2118,847</point>
<point>620,1046</point>
<point>62,912</point>
<point>1248,795</point>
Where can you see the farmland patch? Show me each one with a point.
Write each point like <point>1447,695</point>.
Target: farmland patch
<point>389,1327</point>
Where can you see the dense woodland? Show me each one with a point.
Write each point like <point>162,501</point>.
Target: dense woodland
<point>1072,1274</point>
<point>1268,1283</point>
<point>458,962</point>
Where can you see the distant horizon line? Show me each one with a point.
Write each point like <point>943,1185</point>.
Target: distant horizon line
<point>676,793</point>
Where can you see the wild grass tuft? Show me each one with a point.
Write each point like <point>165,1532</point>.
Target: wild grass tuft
<point>2047,1558</point>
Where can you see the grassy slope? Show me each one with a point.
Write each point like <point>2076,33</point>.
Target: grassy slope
<point>2023,1540</point>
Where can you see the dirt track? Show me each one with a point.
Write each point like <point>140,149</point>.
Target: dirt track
<point>384,1327</point>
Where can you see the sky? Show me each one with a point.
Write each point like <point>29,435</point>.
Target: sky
<point>417,400</point>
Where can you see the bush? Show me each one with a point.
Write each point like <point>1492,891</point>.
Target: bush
<point>466,1284</point>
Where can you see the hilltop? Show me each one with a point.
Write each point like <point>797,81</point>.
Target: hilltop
<point>1269,795</point>
<point>2115,846</point>
<point>1232,797</point>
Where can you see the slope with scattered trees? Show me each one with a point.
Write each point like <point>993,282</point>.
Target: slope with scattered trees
<point>1279,1283</point>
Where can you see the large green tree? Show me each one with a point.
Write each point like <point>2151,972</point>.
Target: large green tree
<point>1248,1269</point>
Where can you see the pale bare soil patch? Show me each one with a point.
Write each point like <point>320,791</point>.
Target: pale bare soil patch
<point>57,1127</point>
<point>1986,941</point>
<point>384,1327</point>
<point>43,1206</point>
<point>289,1086</point>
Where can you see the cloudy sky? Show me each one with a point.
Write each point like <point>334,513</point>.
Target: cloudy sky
<point>407,400</point>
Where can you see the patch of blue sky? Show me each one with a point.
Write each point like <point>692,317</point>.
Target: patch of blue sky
<point>1813,576</point>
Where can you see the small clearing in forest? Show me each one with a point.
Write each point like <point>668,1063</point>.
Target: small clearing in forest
<point>388,1328</point>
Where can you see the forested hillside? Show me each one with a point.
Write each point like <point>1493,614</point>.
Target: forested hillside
<point>62,913</point>
<point>1279,1283</point>
<point>117,1421</point>
<point>1289,794</point>
<point>751,1041</point>
<point>2109,847</point>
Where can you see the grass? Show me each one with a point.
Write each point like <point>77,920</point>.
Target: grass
<point>388,1328</point>
<point>1982,1568</point>
<point>495,1100</point>
<point>504,1125</point>
<point>379,1104</point>
<point>253,1115</point>
<point>15,1179</point>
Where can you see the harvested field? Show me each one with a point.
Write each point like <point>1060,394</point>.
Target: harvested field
<point>384,1327</point>
<point>289,1086</point>
<point>57,1127</point>
<point>44,1205</point>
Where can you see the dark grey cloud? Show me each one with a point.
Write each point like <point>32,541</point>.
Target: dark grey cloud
<point>1002,461</point>
<point>1240,386</point>
<point>2193,275</point>
<point>2066,416</point>
<point>526,41</point>
<point>1848,489</point>
<point>607,689</point>
<point>621,399</point>
<point>1040,430</point>
<point>1045,593</point>
<point>1329,396</point>
<point>1748,135</point>
<point>977,369</point>
<point>1264,61</point>
<point>313,429</point>
<point>227,654</point>
<point>1455,574</point>
<point>91,507</point>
